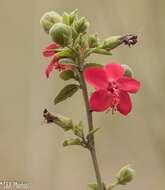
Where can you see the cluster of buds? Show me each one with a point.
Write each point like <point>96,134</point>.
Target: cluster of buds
<point>64,29</point>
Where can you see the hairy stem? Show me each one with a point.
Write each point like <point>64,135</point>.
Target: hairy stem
<point>90,128</point>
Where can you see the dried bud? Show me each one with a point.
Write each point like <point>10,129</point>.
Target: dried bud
<point>125,175</point>
<point>49,19</point>
<point>61,121</point>
<point>129,39</point>
<point>115,41</point>
<point>81,25</point>
<point>93,41</point>
<point>128,70</point>
<point>61,34</point>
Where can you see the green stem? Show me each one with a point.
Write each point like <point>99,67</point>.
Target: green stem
<point>90,128</point>
<point>113,185</point>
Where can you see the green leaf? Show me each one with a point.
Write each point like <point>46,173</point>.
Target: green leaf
<point>66,61</point>
<point>92,65</point>
<point>66,53</point>
<point>66,75</point>
<point>66,92</point>
<point>93,186</point>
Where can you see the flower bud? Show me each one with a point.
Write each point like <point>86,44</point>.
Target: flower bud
<point>111,42</point>
<point>115,41</point>
<point>93,41</point>
<point>75,141</point>
<point>73,16</point>
<point>125,175</point>
<point>61,34</point>
<point>128,70</point>
<point>66,18</point>
<point>61,121</point>
<point>49,19</point>
<point>81,25</point>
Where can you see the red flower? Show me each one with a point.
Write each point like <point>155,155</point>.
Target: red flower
<point>112,88</point>
<point>50,50</point>
<point>54,64</point>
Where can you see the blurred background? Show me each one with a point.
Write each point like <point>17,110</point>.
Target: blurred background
<point>31,151</point>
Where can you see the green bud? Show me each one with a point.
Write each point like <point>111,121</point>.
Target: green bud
<point>78,129</point>
<point>111,42</point>
<point>69,18</point>
<point>128,70</point>
<point>125,175</point>
<point>73,16</point>
<point>64,122</point>
<point>81,25</point>
<point>49,19</point>
<point>75,141</point>
<point>61,34</point>
<point>93,41</point>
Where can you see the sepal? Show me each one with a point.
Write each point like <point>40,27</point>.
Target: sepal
<point>128,70</point>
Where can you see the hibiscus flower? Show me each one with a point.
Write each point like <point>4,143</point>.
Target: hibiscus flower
<point>112,88</point>
<point>49,51</point>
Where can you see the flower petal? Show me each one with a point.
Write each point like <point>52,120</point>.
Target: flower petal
<point>96,77</point>
<point>114,71</point>
<point>49,69</point>
<point>128,84</point>
<point>125,105</point>
<point>100,100</point>
<point>55,59</point>
<point>50,50</point>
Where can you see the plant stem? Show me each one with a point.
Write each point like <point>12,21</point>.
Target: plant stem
<point>90,128</point>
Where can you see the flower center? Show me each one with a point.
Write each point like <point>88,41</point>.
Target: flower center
<point>114,89</point>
